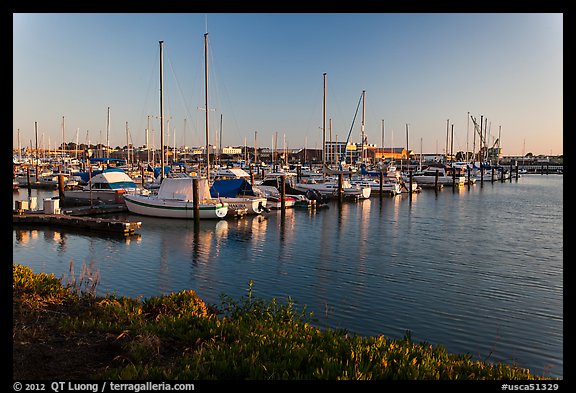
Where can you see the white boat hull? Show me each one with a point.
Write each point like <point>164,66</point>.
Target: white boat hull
<point>331,189</point>
<point>252,205</point>
<point>172,208</point>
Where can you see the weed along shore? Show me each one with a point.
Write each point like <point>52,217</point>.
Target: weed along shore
<point>62,330</point>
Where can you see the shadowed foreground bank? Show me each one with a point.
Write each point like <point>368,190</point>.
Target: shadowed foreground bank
<point>63,331</point>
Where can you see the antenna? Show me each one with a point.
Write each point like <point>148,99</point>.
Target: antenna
<point>206,22</point>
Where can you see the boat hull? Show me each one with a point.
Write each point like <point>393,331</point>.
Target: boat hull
<point>252,205</point>
<point>171,208</point>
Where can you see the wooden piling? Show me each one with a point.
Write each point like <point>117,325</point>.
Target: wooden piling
<point>283,193</point>
<point>28,180</point>
<point>195,199</point>
<point>90,182</point>
<point>61,186</point>
<point>381,175</point>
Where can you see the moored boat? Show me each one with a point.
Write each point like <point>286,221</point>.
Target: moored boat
<point>175,199</point>
<point>108,186</point>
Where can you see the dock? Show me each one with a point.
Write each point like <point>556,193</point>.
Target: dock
<point>109,225</point>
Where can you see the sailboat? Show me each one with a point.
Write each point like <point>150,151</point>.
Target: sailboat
<point>175,197</point>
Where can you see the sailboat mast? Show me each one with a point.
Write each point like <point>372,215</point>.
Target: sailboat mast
<point>63,143</point>
<point>36,155</point>
<point>107,133</point>
<point>383,157</point>
<point>452,144</point>
<point>161,113</point>
<point>331,154</point>
<point>324,127</point>
<point>362,127</point>
<point>467,132</point>
<point>127,145</point>
<point>499,141</point>
<point>446,149</point>
<point>206,100</point>
<point>407,147</point>
<point>19,148</point>
<point>220,141</point>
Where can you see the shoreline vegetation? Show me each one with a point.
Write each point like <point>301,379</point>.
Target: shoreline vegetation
<point>62,330</point>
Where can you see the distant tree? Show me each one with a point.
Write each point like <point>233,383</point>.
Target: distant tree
<point>529,155</point>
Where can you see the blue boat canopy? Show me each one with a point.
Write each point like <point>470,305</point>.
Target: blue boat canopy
<point>156,170</point>
<point>230,188</point>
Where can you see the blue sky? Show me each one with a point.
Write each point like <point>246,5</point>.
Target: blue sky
<point>266,78</point>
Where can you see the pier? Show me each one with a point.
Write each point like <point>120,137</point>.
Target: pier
<point>109,225</point>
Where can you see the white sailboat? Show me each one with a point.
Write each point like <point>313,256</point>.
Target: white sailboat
<point>175,198</point>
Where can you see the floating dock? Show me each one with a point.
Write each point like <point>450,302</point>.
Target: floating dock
<point>109,225</point>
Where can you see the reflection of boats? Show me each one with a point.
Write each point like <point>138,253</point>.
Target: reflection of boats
<point>108,186</point>
<point>175,200</point>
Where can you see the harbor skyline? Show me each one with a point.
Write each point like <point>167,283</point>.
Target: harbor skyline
<point>93,78</point>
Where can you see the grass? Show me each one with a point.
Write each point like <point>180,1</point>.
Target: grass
<point>178,336</point>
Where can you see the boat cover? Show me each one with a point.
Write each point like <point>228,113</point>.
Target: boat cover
<point>230,188</point>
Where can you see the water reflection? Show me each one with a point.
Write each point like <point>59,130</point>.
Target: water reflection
<point>436,263</point>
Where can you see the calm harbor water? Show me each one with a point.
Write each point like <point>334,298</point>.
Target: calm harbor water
<point>478,270</point>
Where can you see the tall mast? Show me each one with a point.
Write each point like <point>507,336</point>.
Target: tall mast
<point>76,147</point>
<point>499,141</point>
<point>324,127</point>
<point>63,143</point>
<point>420,163</point>
<point>467,132</point>
<point>220,141</point>
<point>452,144</point>
<point>446,150</point>
<point>407,148</point>
<point>362,127</point>
<point>107,133</point>
<point>184,143</point>
<point>147,135</point>
<point>206,99</point>
<point>127,145</point>
<point>36,155</point>
<point>255,148</point>
<point>331,144</point>
<point>382,143</point>
<point>19,149</point>
<point>161,113</point>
